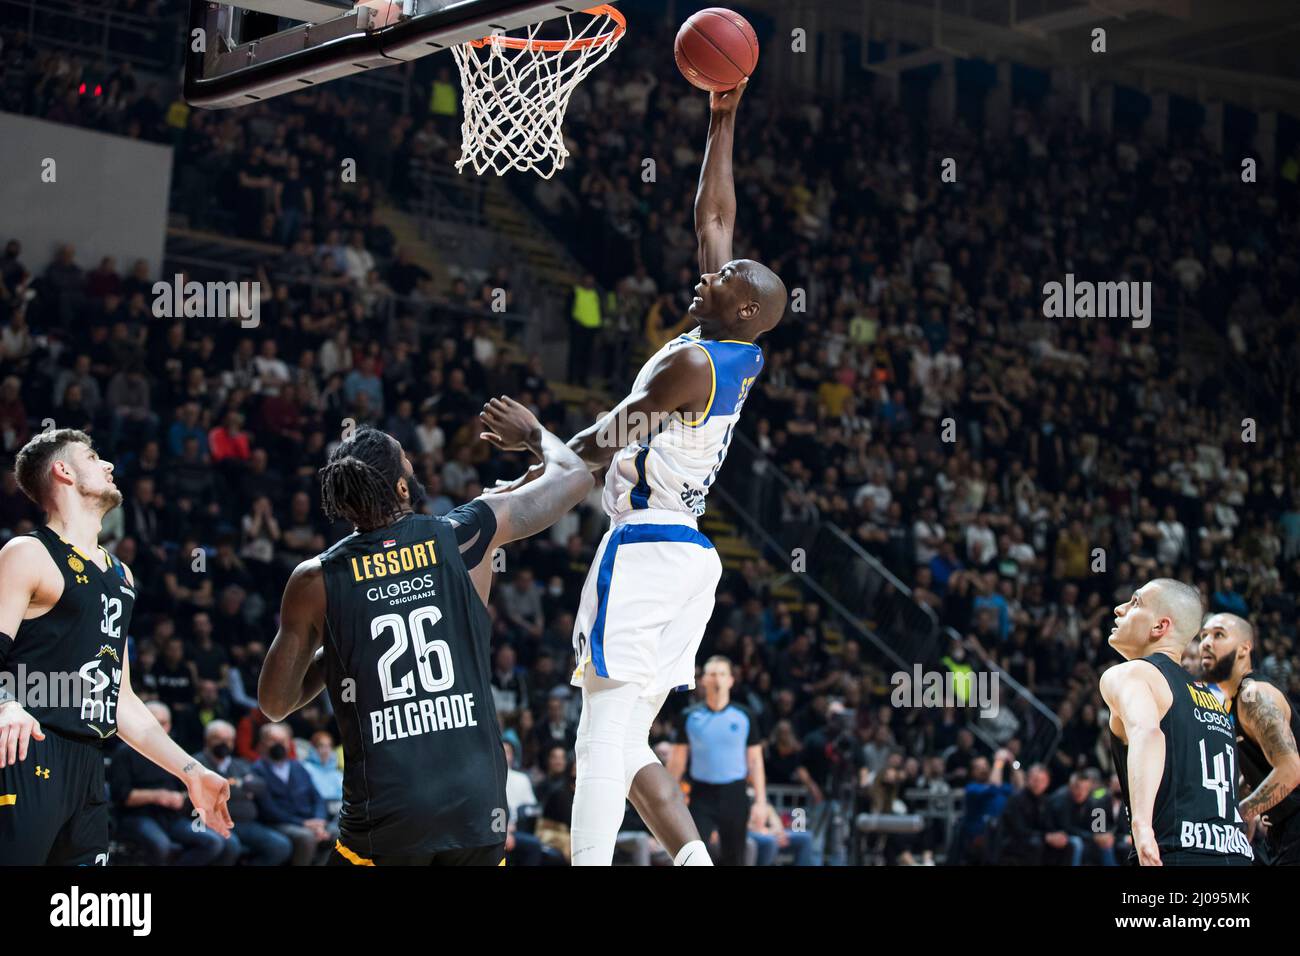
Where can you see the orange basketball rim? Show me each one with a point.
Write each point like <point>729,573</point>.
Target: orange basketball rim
<point>563,46</point>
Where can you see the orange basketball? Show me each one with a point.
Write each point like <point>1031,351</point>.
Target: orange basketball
<point>716,49</point>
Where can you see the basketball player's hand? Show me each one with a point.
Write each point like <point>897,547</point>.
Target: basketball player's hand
<point>511,426</point>
<point>502,486</point>
<point>210,792</point>
<point>317,828</point>
<point>1255,823</point>
<point>727,101</point>
<point>17,728</point>
<point>1144,841</point>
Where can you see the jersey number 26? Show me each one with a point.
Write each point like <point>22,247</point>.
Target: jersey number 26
<point>412,632</point>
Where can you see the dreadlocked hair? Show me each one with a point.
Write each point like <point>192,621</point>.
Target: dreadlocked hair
<point>359,483</point>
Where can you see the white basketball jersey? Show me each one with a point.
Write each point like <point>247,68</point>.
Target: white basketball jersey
<point>675,468</point>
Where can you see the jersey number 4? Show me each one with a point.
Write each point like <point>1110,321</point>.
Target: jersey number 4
<point>1220,781</point>
<point>412,632</point>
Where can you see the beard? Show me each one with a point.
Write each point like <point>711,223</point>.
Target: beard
<point>107,498</point>
<point>1220,671</point>
<point>416,492</point>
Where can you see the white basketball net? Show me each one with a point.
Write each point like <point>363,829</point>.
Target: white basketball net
<point>514,98</point>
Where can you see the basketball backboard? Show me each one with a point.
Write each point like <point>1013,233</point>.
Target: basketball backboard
<point>257,49</point>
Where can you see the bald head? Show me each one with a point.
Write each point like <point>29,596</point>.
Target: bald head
<point>741,300</point>
<point>162,713</point>
<point>1181,603</point>
<point>768,291</point>
<point>1162,615</point>
<point>1236,625</point>
<point>1227,641</point>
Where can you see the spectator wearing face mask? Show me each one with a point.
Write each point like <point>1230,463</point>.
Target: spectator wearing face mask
<point>153,812</point>
<point>290,801</point>
<point>253,841</point>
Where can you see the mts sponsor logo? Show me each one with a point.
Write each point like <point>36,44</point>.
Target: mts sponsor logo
<point>77,909</point>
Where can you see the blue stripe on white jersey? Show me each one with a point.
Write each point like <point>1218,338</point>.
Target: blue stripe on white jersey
<point>674,468</point>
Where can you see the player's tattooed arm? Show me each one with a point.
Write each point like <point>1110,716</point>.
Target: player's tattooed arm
<point>293,673</point>
<point>681,382</point>
<point>1265,713</point>
<point>715,201</point>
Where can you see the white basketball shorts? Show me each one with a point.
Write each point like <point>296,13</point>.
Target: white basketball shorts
<point>646,602</point>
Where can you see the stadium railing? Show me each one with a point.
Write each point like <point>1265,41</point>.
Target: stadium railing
<point>788,798</point>
<point>856,581</point>
<point>452,215</point>
<point>1023,715</point>
<point>866,596</point>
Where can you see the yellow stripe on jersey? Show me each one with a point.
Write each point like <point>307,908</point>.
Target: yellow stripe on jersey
<point>8,799</point>
<point>353,858</point>
<point>503,862</point>
<point>713,390</point>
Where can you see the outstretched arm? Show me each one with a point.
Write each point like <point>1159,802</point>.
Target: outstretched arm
<point>1128,691</point>
<point>681,382</point>
<point>294,671</point>
<point>539,500</point>
<point>715,202</point>
<point>1264,711</point>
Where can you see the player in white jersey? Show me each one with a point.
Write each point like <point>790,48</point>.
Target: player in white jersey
<point>649,593</point>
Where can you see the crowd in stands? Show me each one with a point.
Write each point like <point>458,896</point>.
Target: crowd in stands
<point>918,306</point>
<point>1021,474</point>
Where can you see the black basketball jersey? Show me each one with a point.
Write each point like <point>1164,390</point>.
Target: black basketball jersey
<point>408,671</point>
<point>1254,764</point>
<point>1196,805</point>
<point>66,665</point>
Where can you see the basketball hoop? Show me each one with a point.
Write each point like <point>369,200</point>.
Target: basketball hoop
<point>516,89</point>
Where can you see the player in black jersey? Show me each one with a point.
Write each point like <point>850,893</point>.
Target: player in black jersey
<point>1171,738</point>
<point>393,620</point>
<point>1267,727</point>
<point>65,681</point>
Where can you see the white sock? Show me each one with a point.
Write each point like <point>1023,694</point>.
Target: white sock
<point>598,798</point>
<point>694,853</point>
